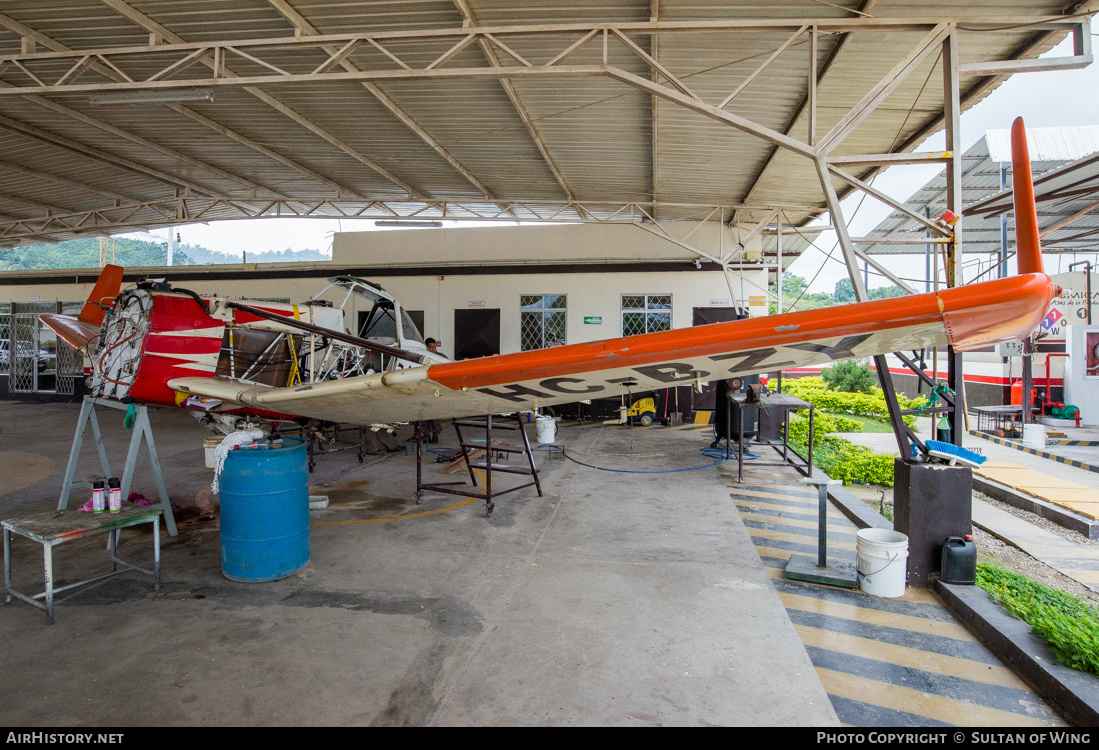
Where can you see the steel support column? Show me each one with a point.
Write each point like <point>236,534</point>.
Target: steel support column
<point>952,109</point>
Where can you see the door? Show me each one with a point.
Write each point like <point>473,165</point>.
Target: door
<point>706,400</point>
<point>476,333</point>
<point>24,353</point>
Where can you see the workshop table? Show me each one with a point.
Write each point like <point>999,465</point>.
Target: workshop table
<point>59,526</point>
<point>768,401</point>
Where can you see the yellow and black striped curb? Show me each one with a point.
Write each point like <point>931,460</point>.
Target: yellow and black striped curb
<point>883,662</point>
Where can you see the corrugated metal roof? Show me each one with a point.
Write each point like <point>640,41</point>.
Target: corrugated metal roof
<point>532,146</point>
<point>1067,195</point>
<point>1046,144</point>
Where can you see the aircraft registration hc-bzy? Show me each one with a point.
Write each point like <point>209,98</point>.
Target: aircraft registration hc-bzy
<point>229,358</point>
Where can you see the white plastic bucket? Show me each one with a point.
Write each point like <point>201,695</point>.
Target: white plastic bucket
<point>209,445</point>
<point>883,561</point>
<point>1034,435</point>
<point>546,429</point>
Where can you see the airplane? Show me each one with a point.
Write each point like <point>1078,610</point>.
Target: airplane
<point>229,357</point>
<point>140,338</point>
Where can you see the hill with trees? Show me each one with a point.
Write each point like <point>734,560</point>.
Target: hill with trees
<point>84,253</point>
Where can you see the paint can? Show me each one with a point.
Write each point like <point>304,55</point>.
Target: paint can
<point>99,496</point>
<point>882,561</point>
<point>265,512</point>
<point>546,429</point>
<point>114,495</point>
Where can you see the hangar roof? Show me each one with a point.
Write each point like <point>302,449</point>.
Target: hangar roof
<point>1065,164</point>
<point>125,114</point>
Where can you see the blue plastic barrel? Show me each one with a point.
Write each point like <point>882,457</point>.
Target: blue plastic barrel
<point>265,512</point>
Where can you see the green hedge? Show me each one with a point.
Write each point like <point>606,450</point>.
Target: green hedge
<point>816,391</point>
<point>822,424</point>
<point>842,459</point>
<point>836,457</point>
<point>1070,625</point>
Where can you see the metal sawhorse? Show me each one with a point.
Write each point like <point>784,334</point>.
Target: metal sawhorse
<point>141,429</point>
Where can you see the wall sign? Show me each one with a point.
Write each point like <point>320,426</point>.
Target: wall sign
<point>477,303</point>
<point>719,303</point>
<point>1071,308</point>
<point>593,320</point>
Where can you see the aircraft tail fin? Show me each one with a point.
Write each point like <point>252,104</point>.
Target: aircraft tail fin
<point>1028,249</point>
<point>105,290</point>
<point>78,332</point>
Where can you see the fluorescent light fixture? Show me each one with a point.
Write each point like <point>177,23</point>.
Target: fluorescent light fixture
<point>161,96</point>
<point>400,223</point>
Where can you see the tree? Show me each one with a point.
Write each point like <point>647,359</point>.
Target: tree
<point>792,285</point>
<point>794,296</point>
<point>887,292</point>
<point>850,375</point>
<point>845,292</point>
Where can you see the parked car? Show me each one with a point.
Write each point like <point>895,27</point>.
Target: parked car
<point>43,356</point>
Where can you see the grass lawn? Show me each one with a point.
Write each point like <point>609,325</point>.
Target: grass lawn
<point>869,424</point>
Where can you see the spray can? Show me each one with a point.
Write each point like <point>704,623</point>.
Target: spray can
<point>99,497</point>
<point>114,495</point>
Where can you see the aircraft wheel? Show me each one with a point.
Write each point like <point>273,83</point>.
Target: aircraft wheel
<point>361,459</point>
<point>489,508</point>
<point>646,419</point>
<point>312,466</point>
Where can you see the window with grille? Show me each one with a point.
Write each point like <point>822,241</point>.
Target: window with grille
<point>541,321</point>
<point>645,313</point>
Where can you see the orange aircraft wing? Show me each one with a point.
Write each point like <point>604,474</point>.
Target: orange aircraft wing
<point>967,318</point>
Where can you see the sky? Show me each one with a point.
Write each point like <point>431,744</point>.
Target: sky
<point>1042,99</point>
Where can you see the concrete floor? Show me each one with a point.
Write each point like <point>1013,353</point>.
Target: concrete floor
<point>616,599</point>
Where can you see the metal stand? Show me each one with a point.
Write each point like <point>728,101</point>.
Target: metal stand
<point>490,492</point>
<point>770,401</point>
<point>801,568</point>
<point>141,428</point>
